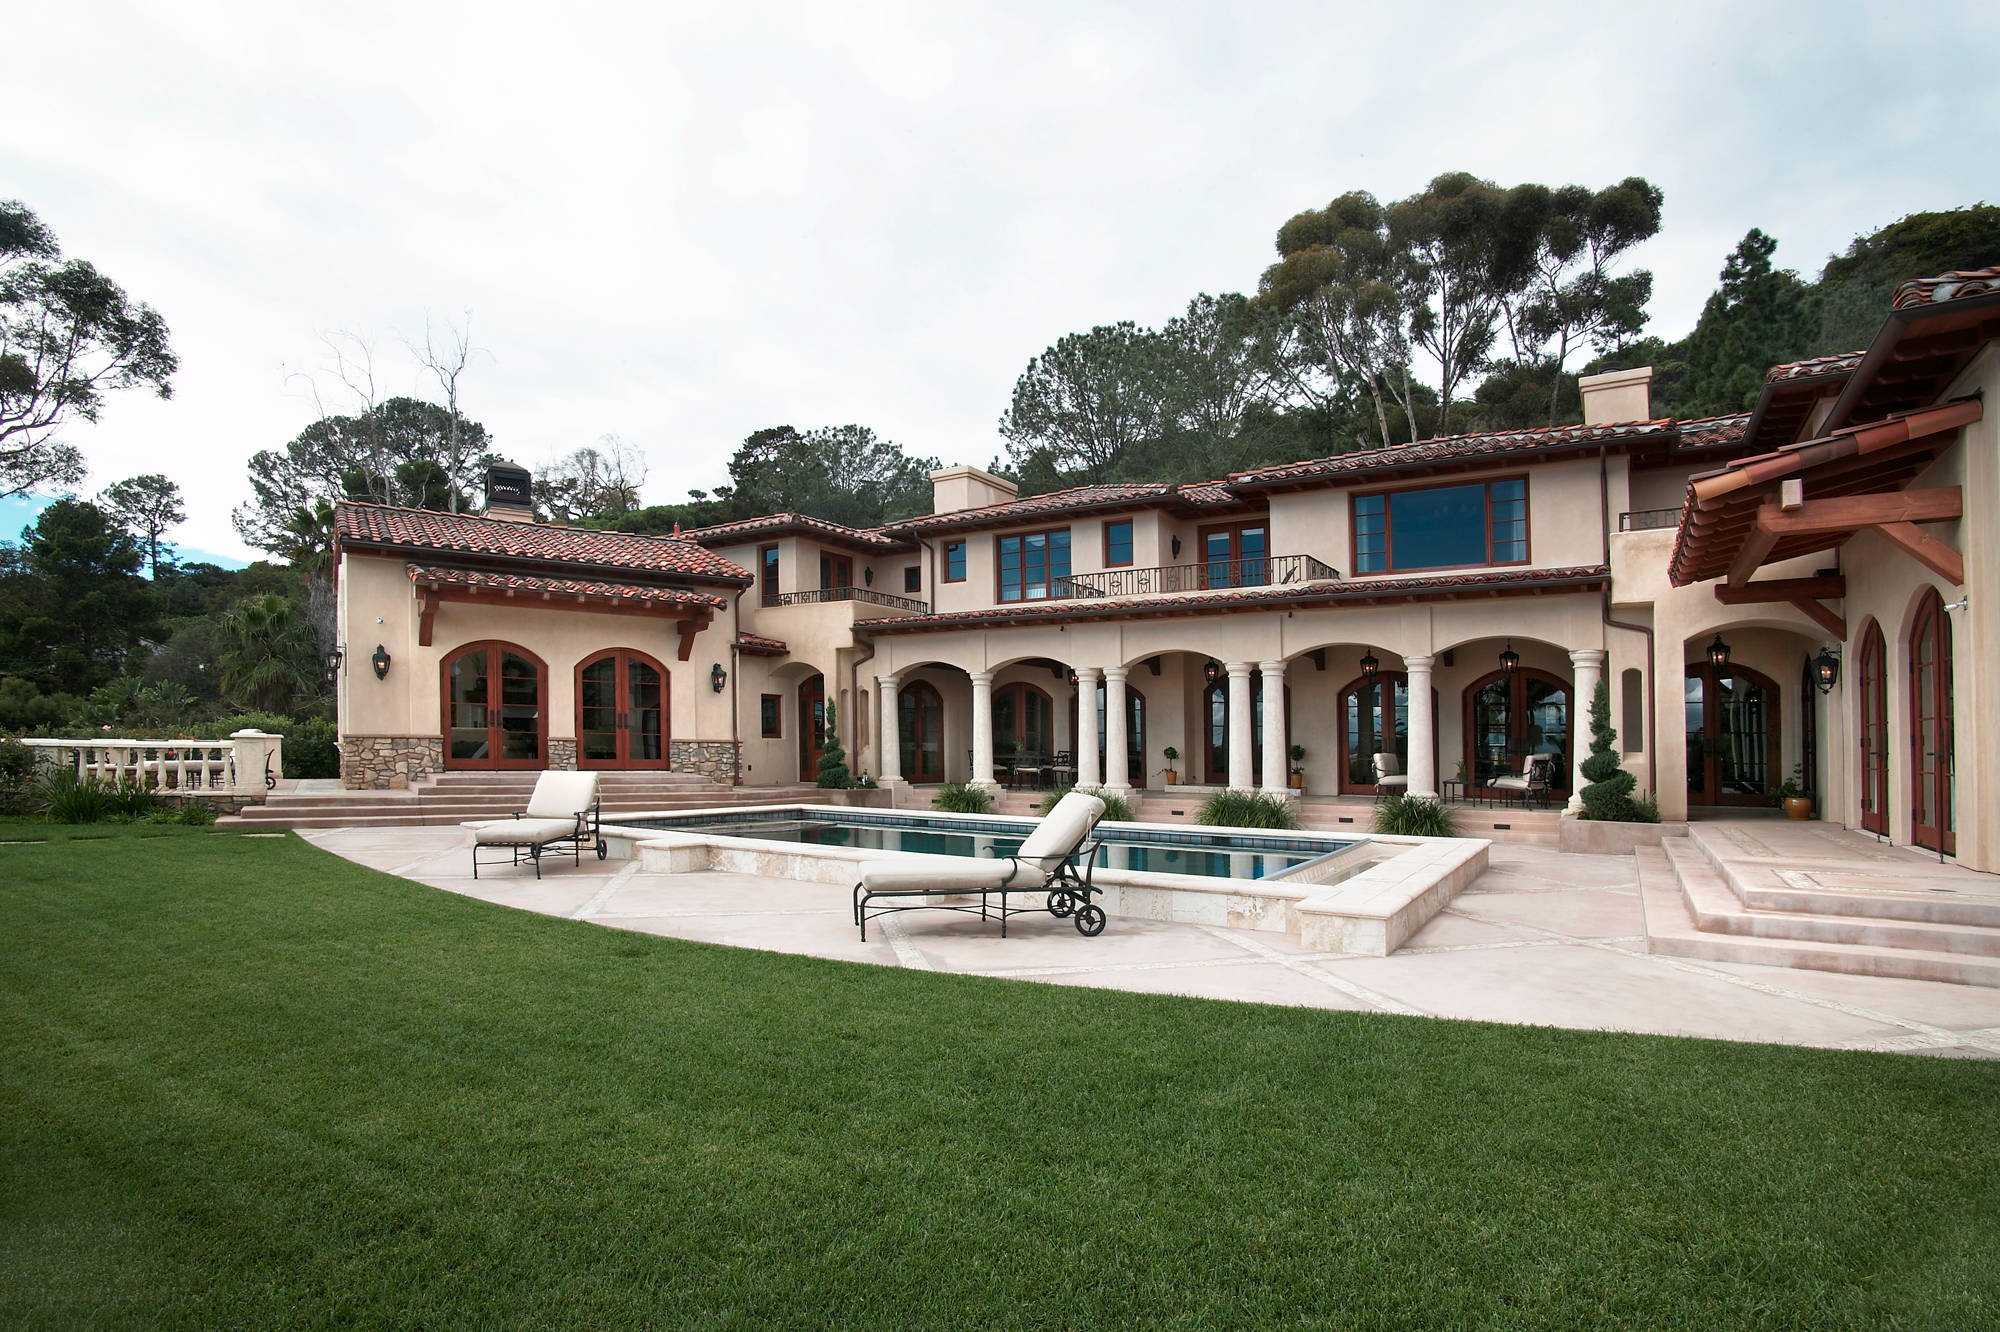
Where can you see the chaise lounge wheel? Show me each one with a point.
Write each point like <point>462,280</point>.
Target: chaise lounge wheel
<point>1061,903</point>
<point>1090,921</point>
<point>603,848</point>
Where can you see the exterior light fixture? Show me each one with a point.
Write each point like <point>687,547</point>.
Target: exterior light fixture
<point>1826,670</point>
<point>868,575</point>
<point>1070,675</point>
<point>1177,545</point>
<point>1718,652</point>
<point>1211,671</point>
<point>1370,664</point>
<point>333,659</point>
<point>380,661</point>
<point>717,677</point>
<point>1510,660</point>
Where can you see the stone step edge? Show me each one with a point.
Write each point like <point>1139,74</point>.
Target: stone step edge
<point>1835,902</point>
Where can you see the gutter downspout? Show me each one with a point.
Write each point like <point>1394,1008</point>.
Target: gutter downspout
<point>1652,665</point>
<point>854,686</point>
<point>736,693</point>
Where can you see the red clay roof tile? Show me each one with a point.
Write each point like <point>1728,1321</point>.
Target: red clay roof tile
<point>1448,448</point>
<point>443,576</point>
<point>1946,287</point>
<point>467,534</point>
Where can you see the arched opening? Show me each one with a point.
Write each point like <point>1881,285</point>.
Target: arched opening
<point>621,711</point>
<point>1135,734</point>
<point>1933,797</point>
<point>1024,720</point>
<point>1510,715</point>
<point>920,732</point>
<point>1732,735</point>
<point>1374,719</point>
<point>495,713</point>
<point>1215,732</point>
<point>812,726</point>
<point>1872,688</point>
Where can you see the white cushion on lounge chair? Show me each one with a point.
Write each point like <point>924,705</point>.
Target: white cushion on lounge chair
<point>562,795</point>
<point>1389,771</point>
<point>1052,842</point>
<point>1063,831</point>
<point>524,832</point>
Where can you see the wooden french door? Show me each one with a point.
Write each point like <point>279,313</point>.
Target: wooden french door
<point>1512,714</point>
<point>1135,734</point>
<point>835,570</point>
<point>1375,719</point>
<point>621,711</point>
<point>495,708</point>
<point>812,727</point>
<point>920,728</point>
<point>1872,684</point>
<point>1732,735</point>
<point>1215,732</point>
<point>1933,798</point>
<point>1238,555</point>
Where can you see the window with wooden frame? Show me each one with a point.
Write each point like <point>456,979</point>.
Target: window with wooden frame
<point>913,578</point>
<point>767,574</point>
<point>835,571</point>
<point>1442,527</point>
<point>1034,566</point>
<point>954,561</point>
<point>1117,543</point>
<point>1236,555</point>
<point>771,713</point>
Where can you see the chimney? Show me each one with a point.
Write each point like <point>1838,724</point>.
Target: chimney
<point>1618,395</point>
<point>955,488</point>
<point>510,493</point>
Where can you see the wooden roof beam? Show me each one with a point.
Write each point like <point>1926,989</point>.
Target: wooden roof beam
<point>1927,550</point>
<point>1782,589</point>
<point>1819,517</point>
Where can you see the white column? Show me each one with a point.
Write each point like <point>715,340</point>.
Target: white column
<point>1242,764</point>
<point>1423,728</point>
<point>982,730</point>
<point>1276,770</point>
<point>1589,663</point>
<point>1088,772</point>
<point>1117,736</point>
<point>888,718</point>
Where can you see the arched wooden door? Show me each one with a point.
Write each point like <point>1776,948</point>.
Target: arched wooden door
<point>621,711</point>
<point>495,708</point>
<point>812,727</point>
<point>1732,735</point>
<point>1872,686</point>
<point>1933,797</point>
<point>920,726</point>
<point>1512,714</point>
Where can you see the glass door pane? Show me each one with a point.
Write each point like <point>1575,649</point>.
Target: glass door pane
<point>520,708</point>
<point>469,735</point>
<point>1695,710</point>
<point>1492,731</point>
<point>1742,742</point>
<point>645,733</point>
<point>1546,716</point>
<point>597,729</point>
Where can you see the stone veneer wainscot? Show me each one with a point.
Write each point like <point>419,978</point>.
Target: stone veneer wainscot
<point>389,762</point>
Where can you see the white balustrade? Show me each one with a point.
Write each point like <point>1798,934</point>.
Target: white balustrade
<point>236,766</point>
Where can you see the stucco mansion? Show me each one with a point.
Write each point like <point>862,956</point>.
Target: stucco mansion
<point>1807,585</point>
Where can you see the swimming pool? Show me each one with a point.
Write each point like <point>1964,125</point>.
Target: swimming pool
<point>1234,855</point>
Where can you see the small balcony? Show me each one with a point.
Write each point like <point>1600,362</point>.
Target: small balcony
<point>864,594</point>
<point>1207,576</point>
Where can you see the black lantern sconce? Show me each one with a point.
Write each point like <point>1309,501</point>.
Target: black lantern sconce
<point>1826,670</point>
<point>1718,652</point>
<point>1370,664</point>
<point>717,677</point>
<point>334,656</point>
<point>868,575</point>
<point>1211,671</point>
<point>380,661</point>
<point>1070,676</point>
<point>1177,545</point>
<point>1510,660</point>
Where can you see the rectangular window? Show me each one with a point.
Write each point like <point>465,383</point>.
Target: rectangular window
<point>772,717</point>
<point>913,579</point>
<point>1236,556</point>
<point>1442,527</point>
<point>1118,543</point>
<point>835,571</point>
<point>767,574</point>
<point>1034,565</point>
<point>954,561</point>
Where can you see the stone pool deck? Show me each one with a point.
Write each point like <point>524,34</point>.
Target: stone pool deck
<point>1542,937</point>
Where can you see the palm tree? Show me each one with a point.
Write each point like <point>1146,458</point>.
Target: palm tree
<point>271,653</point>
<point>308,537</point>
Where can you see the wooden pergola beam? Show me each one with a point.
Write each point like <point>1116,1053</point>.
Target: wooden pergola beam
<point>1782,589</point>
<point>427,609</point>
<point>1757,544</point>
<point>1927,550</point>
<point>1822,616</point>
<point>1823,517</point>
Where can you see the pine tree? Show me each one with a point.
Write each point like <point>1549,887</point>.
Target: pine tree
<point>833,761</point>
<point>1608,797</point>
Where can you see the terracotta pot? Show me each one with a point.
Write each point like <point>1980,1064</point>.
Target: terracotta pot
<point>1172,777</point>
<point>1798,807</point>
<point>1298,781</point>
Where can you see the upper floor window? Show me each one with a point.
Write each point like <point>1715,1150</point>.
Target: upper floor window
<point>835,570</point>
<point>913,578</point>
<point>1118,543</point>
<point>767,574</point>
<point>1031,563</point>
<point>1238,555</point>
<point>1442,527</point>
<point>954,561</point>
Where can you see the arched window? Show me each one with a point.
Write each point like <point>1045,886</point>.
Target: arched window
<point>621,711</point>
<point>1872,687</point>
<point>1215,732</point>
<point>495,707</point>
<point>1732,735</point>
<point>1512,714</point>
<point>1933,793</point>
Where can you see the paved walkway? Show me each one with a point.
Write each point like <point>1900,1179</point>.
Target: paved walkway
<point>1541,937</point>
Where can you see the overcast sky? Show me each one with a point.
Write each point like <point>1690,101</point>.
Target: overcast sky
<point>682,223</point>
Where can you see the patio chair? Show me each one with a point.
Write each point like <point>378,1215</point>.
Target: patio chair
<point>1028,770</point>
<point>563,811</point>
<point>1389,775</point>
<point>1532,779</point>
<point>1047,862</point>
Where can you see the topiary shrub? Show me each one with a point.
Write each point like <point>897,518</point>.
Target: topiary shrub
<point>1403,815</point>
<point>1116,807</point>
<point>963,798</point>
<point>1608,796</point>
<point>1247,809</point>
<point>833,771</point>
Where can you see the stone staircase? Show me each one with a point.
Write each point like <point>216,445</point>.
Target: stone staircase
<point>454,797</point>
<point>1818,899</point>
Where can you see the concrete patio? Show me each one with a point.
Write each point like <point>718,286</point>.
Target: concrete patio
<point>1542,937</point>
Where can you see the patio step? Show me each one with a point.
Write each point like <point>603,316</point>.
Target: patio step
<point>1903,888</point>
<point>425,807</point>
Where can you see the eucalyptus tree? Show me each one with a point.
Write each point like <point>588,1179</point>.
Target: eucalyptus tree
<point>1084,404</point>
<point>148,506</point>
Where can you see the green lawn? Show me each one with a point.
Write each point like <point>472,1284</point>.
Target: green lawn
<point>245,1083</point>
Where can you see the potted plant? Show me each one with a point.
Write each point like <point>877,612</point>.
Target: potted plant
<point>1298,753</point>
<point>1172,755</point>
<point>1792,794</point>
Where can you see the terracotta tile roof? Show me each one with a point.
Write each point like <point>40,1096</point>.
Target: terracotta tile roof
<point>774,524</point>
<point>1208,492</point>
<point>1448,448</point>
<point>630,593</point>
<point>1711,432</point>
<point>1816,366</point>
<point>1946,287</point>
<point>1075,499</point>
<point>467,534</point>
<point>758,645</point>
<point>1497,582</point>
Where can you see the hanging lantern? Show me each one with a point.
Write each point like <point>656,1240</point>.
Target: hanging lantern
<point>333,660</point>
<point>1370,664</point>
<point>1071,676</point>
<point>1718,652</point>
<point>1510,660</point>
<point>1826,670</point>
<point>1211,672</point>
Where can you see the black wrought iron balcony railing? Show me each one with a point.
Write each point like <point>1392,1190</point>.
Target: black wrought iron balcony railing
<point>869,595</point>
<point>1647,520</point>
<point>1207,576</point>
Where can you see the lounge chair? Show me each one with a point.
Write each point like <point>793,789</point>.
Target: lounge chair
<point>1533,779</point>
<point>1389,775</point>
<point>1046,862</point>
<point>562,812</point>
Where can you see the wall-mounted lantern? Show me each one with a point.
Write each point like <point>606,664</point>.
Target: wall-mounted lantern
<point>334,657</point>
<point>717,677</point>
<point>1510,660</point>
<point>1718,653</point>
<point>868,575</point>
<point>1070,676</point>
<point>380,661</point>
<point>1211,671</point>
<point>1370,664</point>
<point>1177,544</point>
<point>1826,670</point>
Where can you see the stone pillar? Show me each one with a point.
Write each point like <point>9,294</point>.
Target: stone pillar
<point>256,754</point>
<point>1242,724</point>
<point>982,730</point>
<point>888,719</point>
<point>1088,771</point>
<point>1117,736</point>
<point>1589,663</point>
<point>1423,728</point>
<point>1277,770</point>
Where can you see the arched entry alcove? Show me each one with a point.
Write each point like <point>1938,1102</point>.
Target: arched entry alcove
<point>1733,754</point>
<point>495,707</point>
<point>1510,715</point>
